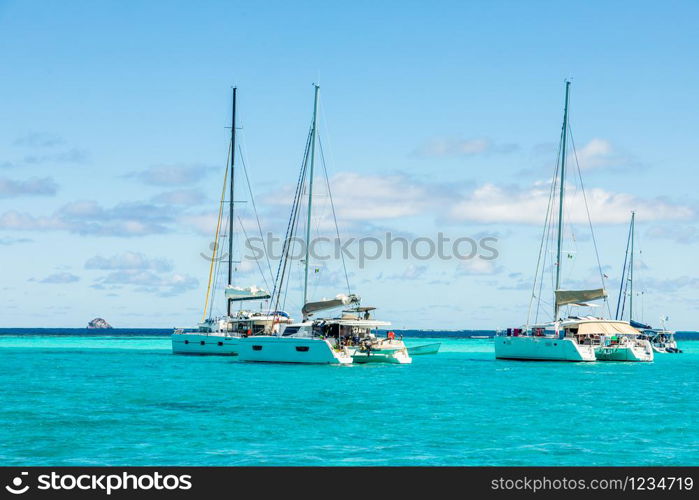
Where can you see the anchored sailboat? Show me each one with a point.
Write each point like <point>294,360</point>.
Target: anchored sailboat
<point>351,337</point>
<point>574,338</point>
<point>220,335</point>
<point>661,339</point>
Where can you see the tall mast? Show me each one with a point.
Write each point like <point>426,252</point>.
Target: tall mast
<point>633,237</point>
<point>564,135</point>
<point>310,191</point>
<point>230,204</point>
<point>621,300</point>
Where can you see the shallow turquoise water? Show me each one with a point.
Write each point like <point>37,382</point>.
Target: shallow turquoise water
<point>77,400</point>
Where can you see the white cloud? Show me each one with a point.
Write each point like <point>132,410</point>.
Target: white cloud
<point>171,175</point>
<point>73,155</point>
<point>32,187</point>
<point>204,223</point>
<point>90,218</point>
<point>497,204</point>
<point>412,272</point>
<point>14,241</point>
<point>462,147</point>
<point>181,197</point>
<point>477,266</point>
<point>39,140</point>
<point>361,197</point>
<point>25,222</point>
<point>147,281</point>
<point>598,153</point>
<point>679,234</point>
<point>128,260</point>
<point>60,278</point>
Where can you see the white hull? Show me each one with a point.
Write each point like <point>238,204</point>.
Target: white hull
<point>202,344</point>
<point>382,351</point>
<point>272,349</point>
<point>666,349</point>
<point>381,356</point>
<point>542,349</point>
<point>638,353</point>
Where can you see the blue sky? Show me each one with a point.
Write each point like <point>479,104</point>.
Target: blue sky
<point>439,116</point>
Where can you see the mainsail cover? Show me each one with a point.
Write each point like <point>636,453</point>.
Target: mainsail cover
<point>341,300</point>
<point>249,293</point>
<point>565,297</point>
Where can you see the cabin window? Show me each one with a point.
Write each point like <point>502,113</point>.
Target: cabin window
<point>202,342</point>
<point>220,344</point>
<point>290,330</point>
<point>186,341</point>
<point>258,329</point>
<point>257,348</point>
<point>302,348</point>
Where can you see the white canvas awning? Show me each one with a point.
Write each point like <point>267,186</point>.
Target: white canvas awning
<point>606,328</point>
<point>339,301</point>
<point>249,293</point>
<point>565,297</point>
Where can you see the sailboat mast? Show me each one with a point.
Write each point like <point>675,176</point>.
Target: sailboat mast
<point>564,135</point>
<point>621,300</point>
<point>230,204</point>
<point>310,191</point>
<point>633,237</point>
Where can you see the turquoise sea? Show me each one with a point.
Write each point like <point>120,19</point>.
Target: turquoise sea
<point>81,399</point>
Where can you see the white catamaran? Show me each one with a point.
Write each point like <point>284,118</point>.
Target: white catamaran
<point>573,338</point>
<point>220,335</point>
<point>348,338</point>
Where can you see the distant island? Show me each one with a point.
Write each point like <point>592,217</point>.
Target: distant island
<point>98,323</point>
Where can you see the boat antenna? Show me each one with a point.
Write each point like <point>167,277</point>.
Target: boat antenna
<point>564,134</point>
<point>310,191</point>
<point>229,304</point>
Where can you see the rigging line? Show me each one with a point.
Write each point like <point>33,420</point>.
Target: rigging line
<point>257,261</point>
<point>549,242</point>
<point>288,259</point>
<point>548,234</point>
<point>293,216</point>
<point>541,246</point>
<point>289,268</point>
<point>281,268</point>
<point>218,228</point>
<point>623,304</point>
<point>623,276</point>
<point>291,230</point>
<point>257,217</point>
<point>589,219</point>
<point>217,268</point>
<point>332,205</point>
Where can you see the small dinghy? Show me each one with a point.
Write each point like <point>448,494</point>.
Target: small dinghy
<point>420,350</point>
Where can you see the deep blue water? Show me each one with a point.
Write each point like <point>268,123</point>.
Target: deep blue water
<point>123,399</point>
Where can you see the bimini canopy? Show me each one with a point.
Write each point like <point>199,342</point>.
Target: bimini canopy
<point>606,328</point>
<point>565,297</point>
<point>341,300</point>
<point>249,293</point>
